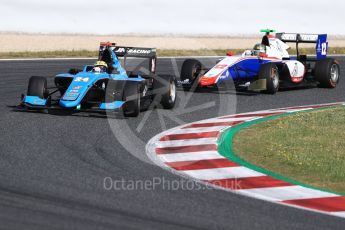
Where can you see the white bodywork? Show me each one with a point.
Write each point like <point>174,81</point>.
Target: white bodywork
<point>275,52</point>
<point>297,70</point>
<point>277,49</point>
<point>221,66</point>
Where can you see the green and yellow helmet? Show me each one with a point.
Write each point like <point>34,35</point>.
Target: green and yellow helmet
<point>101,63</point>
<point>260,48</point>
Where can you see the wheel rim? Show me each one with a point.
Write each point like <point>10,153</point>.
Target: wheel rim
<point>334,73</point>
<point>172,91</point>
<point>275,78</point>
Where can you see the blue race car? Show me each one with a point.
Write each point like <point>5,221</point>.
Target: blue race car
<point>105,86</point>
<point>268,66</point>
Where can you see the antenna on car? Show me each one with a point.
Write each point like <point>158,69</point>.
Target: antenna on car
<point>267,31</point>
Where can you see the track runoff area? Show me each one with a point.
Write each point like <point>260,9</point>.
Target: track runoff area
<point>202,151</point>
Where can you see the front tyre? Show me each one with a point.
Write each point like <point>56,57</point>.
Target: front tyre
<point>270,73</point>
<point>38,87</point>
<point>327,73</point>
<point>190,72</point>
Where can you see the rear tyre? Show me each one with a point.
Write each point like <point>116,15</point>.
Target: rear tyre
<point>327,73</point>
<point>132,98</point>
<point>270,72</point>
<point>165,91</point>
<point>190,72</point>
<point>38,87</point>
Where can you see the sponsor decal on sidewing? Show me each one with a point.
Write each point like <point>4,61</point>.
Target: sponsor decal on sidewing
<point>82,79</point>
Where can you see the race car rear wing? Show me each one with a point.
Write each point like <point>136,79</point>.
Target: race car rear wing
<point>122,51</point>
<point>135,52</point>
<point>319,39</point>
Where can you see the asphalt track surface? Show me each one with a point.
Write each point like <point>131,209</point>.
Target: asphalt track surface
<point>52,167</point>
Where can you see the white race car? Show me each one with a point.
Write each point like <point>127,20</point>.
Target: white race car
<point>268,66</point>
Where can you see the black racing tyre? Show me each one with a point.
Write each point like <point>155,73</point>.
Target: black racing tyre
<point>165,91</point>
<point>270,72</point>
<point>327,73</point>
<point>37,87</point>
<point>131,95</point>
<point>190,71</point>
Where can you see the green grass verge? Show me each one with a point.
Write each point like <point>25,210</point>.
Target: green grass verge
<point>49,54</point>
<point>306,147</point>
<point>161,53</point>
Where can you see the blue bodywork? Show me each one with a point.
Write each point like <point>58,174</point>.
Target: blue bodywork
<point>34,100</point>
<point>321,46</point>
<point>80,85</point>
<point>245,69</point>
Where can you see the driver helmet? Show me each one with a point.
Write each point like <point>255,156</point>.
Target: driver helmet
<point>100,67</point>
<point>259,48</point>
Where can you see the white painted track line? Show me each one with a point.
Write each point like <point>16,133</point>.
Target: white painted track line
<point>222,173</point>
<point>178,157</point>
<point>288,193</point>
<point>205,141</point>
